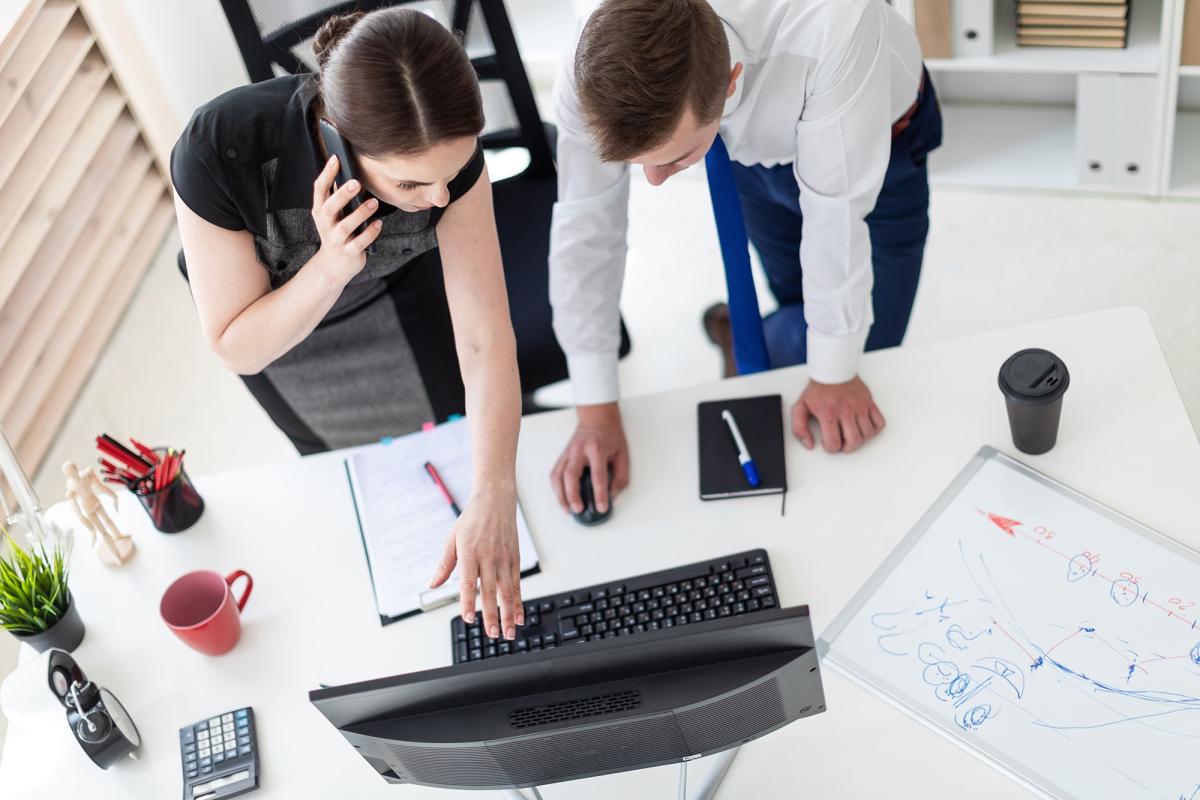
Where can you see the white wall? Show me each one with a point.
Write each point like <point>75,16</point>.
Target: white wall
<point>191,47</point>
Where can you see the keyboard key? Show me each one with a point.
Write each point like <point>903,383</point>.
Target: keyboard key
<point>725,567</point>
<point>601,605</point>
<point>476,654</point>
<point>759,559</point>
<point>571,634</point>
<point>710,613</point>
<point>600,594</point>
<point>535,641</point>
<point>586,630</point>
<point>725,611</point>
<point>489,651</point>
<point>644,595</point>
<point>696,616</point>
<point>768,602</point>
<point>762,591</point>
<point>505,648</point>
<point>739,608</point>
<point>566,602</point>
<point>761,580</point>
<point>585,608</point>
<point>752,604</point>
<point>672,588</point>
<point>668,623</point>
<point>610,634</point>
<point>749,572</point>
<point>548,639</point>
<point>461,652</point>
<point>533,619</point>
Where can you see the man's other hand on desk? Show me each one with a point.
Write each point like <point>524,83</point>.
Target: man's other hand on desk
<point>845,412</point>
<point>484,545</point>
<point>598,442</point>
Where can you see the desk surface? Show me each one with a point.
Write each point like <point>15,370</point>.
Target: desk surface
<point>1125,439</point>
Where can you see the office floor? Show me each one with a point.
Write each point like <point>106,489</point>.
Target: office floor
<point>994,260</point>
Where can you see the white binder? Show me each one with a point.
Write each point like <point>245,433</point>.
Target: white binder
<point>1115,128</point>
<point>973,27</point>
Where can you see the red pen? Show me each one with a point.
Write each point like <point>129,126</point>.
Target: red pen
<point>437,480</point>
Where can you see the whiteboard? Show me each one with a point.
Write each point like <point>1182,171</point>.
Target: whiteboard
<point>1052,636</point>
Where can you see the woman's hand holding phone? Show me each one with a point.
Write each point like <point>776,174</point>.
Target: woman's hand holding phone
<point>342,253</point>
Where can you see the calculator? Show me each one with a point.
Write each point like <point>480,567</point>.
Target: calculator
<point>220,756</point>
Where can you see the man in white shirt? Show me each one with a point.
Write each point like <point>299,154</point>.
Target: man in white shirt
<point>827,118</point>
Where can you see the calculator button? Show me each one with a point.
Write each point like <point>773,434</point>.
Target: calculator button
<point>215,742</point>
<point>227,717</point>
<point>243,740</point>
<point>189,748</point>
<point>244,751</point>
<point>243,723</point>
<point>240,713</point>
<point>230,746</point>
<point>215,722</point>
<point>189,735</point>
<point>193,773</point>
<point>203,734</point>
<point>205,761</point>
<point>205,752</point>
<point>228,730</point>
<point>205,770</point>
<point>218,758</point>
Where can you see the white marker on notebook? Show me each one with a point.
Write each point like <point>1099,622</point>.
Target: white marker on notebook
<point>743,454</point>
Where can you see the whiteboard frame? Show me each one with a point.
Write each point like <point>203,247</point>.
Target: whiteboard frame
<point>1036,783</point>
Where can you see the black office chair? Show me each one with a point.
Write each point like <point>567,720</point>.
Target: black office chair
<point>275,38</point>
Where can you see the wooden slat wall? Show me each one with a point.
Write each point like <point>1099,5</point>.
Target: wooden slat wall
<point>84,205</point>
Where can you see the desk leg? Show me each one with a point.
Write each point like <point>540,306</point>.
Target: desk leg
<point>708,787</point>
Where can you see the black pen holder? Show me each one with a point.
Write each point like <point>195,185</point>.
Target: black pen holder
<point>175,507</point>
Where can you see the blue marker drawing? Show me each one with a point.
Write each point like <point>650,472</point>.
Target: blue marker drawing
<point>976,716</point>
<point>957,638</point>
<point>1124,592</point>
<point>1195,654</point>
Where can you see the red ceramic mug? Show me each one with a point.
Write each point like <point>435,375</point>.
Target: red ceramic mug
<point>201,610</point>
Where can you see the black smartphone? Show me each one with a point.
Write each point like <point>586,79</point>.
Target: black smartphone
<point>335,145</point>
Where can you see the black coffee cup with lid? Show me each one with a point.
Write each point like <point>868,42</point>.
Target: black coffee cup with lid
<point>1033,382</point>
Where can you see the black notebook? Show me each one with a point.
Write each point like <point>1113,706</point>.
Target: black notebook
<point>760,419</point>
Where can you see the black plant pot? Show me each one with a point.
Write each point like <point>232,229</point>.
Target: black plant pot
<point>66,634</point>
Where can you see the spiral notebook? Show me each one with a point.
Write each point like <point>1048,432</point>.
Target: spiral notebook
<point>404,519</point>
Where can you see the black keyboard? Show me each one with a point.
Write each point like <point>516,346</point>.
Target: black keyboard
<point>691,595</point>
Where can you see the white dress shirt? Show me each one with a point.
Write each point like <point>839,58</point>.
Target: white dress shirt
<point>823,80</point>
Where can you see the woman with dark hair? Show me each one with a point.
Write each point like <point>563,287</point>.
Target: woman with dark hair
<point>342,336</point>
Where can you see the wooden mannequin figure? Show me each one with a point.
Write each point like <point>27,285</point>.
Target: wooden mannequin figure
<point>113,547</point>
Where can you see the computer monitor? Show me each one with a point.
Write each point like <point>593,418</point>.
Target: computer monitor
<point>588,709</point>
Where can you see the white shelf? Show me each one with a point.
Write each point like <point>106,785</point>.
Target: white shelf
<point>1142,55</point>
<point>1016,147</point>
<point>1190,70</point>
<point>1185,171</point>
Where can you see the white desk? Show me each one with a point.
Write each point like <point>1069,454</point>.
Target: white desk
<point>1125,440</point>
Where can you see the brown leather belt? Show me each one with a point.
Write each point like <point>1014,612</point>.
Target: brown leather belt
<point>899,125</point>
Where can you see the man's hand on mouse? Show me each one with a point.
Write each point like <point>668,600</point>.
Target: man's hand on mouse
<point>598,441</point>
<point>846,413</point>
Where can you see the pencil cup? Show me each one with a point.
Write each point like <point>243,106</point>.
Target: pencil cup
<point>176,506</point>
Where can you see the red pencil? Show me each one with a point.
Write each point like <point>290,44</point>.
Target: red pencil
<point>148,452</point>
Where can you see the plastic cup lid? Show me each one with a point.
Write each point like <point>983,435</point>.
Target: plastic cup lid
<point>1034,374</point>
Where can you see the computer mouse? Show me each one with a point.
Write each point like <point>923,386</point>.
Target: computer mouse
<point>589,515</point>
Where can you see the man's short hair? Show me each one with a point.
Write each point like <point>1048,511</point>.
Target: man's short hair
<point>640,63</point>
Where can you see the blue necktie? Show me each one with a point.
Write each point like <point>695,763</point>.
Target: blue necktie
<point>749,343</point>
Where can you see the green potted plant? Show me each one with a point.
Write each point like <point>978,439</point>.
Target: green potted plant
<point>35,601</point>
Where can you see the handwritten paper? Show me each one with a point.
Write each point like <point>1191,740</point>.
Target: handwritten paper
<point>1053,636</point>
<point>405,520</point>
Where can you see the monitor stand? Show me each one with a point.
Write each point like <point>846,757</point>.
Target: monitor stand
<point>705,791</point>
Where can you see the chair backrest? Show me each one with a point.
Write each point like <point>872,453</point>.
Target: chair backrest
<point>275,38</point>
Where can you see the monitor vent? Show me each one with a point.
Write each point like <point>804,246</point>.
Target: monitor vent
<point>726,722</point>
<point>448,766</point>
<point>533,757</point>
<point>580,708</point>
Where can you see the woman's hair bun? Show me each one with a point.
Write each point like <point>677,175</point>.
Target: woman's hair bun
<point>331,32</point>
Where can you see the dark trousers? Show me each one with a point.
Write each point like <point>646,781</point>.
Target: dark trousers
<point>898,228</point>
